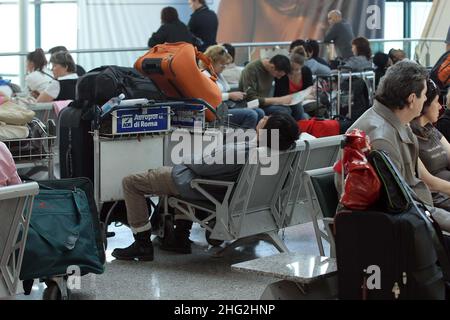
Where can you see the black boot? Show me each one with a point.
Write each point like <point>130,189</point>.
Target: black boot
<point>179,242</point>
<point>141,249</point>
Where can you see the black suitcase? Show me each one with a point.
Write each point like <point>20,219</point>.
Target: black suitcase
<point>395,250</point>
<point>76,146</point>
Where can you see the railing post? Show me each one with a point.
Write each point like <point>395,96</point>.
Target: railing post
<point>23,19</point>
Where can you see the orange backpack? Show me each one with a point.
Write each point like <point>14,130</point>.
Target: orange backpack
<point>173,68</point>
<point>441,72</point>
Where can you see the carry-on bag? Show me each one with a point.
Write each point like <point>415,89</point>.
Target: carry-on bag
<point>62,235</point>
<point>76,146</point>
<point>173,68</point>
<point>101,84</point>
<point>391,251</point>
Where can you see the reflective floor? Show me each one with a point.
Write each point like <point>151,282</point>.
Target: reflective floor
<point>171,276</point>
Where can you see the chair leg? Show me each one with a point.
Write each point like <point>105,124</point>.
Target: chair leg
<point>272,237</point>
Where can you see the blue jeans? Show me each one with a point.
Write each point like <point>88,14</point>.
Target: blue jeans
<point>245,118</point>
<point>296,111</point>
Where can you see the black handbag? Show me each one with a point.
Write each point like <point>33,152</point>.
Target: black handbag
<point>397,197</point>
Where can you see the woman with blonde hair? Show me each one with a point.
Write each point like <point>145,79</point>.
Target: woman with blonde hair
<point>237,108</point>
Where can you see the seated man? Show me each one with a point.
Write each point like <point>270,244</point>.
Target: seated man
<point>257,80</point>
<point>8,171</point>
<point>176,181</point>
<point>399,99</point>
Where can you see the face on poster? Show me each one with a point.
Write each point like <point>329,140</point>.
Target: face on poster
<point>287,20</point>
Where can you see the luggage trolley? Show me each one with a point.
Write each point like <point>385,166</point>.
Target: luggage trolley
<point>136,140</point>
<point>29,152</point>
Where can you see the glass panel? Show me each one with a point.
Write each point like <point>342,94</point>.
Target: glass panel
<point>393,25</point>
<point>59,25</point>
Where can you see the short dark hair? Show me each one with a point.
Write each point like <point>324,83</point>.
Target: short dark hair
<point>37,57</point>
<point>362,47</point>
<point>169,15</point>
<point>296,43</point>
<point>400,81</point>
<point>231,50</point>
<point>287,127</point>
<point>281,63</point>
<point>432,92</point>
<point>380,60</point>
<point>312,47</point>
<point>58,49</point>
<point>64,59</point>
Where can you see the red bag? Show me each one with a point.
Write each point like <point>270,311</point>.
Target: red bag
<point>319,128</point>
<point>362,185</point>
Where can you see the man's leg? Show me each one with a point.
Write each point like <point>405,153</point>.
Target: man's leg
<point>244,118</point>
<point>276,109</point>
<point>136,188</point>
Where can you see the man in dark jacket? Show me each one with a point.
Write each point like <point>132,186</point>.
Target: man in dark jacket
<point>171,30</point>
<point>203,24</point>
<point>341,33</point>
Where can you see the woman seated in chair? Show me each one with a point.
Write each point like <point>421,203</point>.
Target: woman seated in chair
<point>238,112</point>
<point>37,78</point>
<point>8,171</point>
<point>434,149</point>
<point>64,71</point>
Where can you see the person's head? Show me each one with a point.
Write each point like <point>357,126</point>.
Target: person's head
<point>169,15</point>
<point>312,48</point>
<point>279,66</point>
<point>57,49</point>
<point>404,87</point>
<point>298,60</point>
<point>361,47</point>
<point>195,4</point>
<point>296,43</point>
<point>219,56</point>
<point>397,55</point>
<point>62,64</point>
<point>431,107</point>
<point>36,60</point>
<point>381,60</point>
<point>282,124</point>
<point>334,16</point>
<point>231,50</point>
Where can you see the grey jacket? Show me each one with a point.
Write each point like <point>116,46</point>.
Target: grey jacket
<point>182,175</point>
<point>317,68</point>
<point>387,133</point>
<point>358,63</point>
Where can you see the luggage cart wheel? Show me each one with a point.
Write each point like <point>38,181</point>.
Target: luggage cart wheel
<point>213,242</point>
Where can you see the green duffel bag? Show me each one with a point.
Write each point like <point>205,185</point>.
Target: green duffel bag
<point>61,235</point>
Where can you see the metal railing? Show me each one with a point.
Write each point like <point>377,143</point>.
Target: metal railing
<point>249,51</point>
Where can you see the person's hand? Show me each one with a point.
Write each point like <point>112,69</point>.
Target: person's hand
<point>237,96</point>
<point>286,100</point>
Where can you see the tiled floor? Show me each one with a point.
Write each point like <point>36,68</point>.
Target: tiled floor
<point>172,276</point>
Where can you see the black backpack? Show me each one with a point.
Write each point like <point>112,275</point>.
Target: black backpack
<point>101,84</point>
